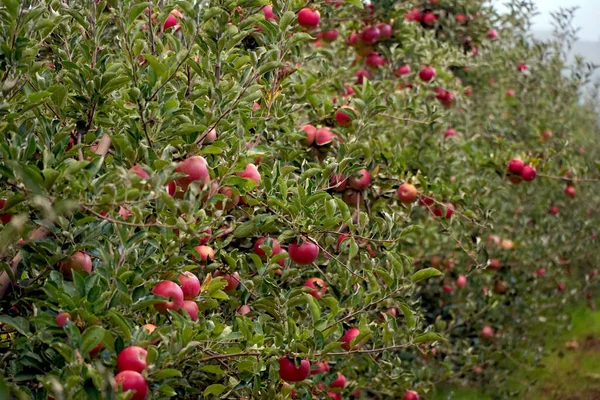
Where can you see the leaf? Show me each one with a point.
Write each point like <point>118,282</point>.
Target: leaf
<point>356,3</point>
<point>425,274</point>
<point>157,66</point>
<point>167,373</point>
<point>244,230</point>
<point>136,10</point>
<point>409,316</point>
<point>428,337</point>
<point>91,338</point>
<point>19,324</point>
<point>215,389</point>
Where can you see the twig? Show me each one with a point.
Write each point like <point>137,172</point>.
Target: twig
<point>568,179</point>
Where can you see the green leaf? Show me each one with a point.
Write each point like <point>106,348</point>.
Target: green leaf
<point>428,337</point>
<point>136,10</point>
<point>91,338</point>
<point>425,274</point>
<point>167,373</point>
<point>409,316</point>
<point>19,324</point>
<point>157,66</point>
<point>244,230</point>
<point>356,3</point>
<point>215,389</point>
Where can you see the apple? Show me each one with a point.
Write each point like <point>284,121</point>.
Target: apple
<point>334,396</point>
<point>450,132</point>
<point>275,249</point>
<point>561,286</point>
<point>324,136</point>
<point>6,217</point>
<point>515,166</point>
<point>540,272</point>
<point>347,338</point>
<point>438,210</point>
<point>232,200</point>
<point>500,287</point>
<point>311,133</point>
<point>529,173</point>
<point>510,93</point>
<point>318,285</point>
<point>321,366</point>
<point>233,280</point>
<point>460,18</point>
<point>570,190</point>
<point>447,288</point>
<point>522,67</point>
<point>268,12</point>
<point>132,380</point>
<point>139,171</point>
<point>338,182</point>
<point>172,292</point>
<point>370,35</point>
<point>79,261</point>
<point>361,180</point>
<point>492,34</point>
<point>243,309</point>
<point>171,20</point>
<point>352,38</point>
<point>427,73</point>
<point>403,70</point>
<point>414,15</point>
<point>348,90</point>
<point>149,327</point>
<point>461,281</point>
<point>305,253</point>
<point>429,18</point>
<point>196,169</point>
<point>352,198</point>
<point>375,60</point>
<point>553,210</point>
<point>340,382</point>
<point>342,118</point>
<point>385,30</point>
<point>330,36</point>
<point>171,188</point>
<point>487,332</point>
<point>191,308</point>
<point>62,318</point>
<point>211,136</point>
<point>132,358</point>
<point>290,373</point>
<point>308,18</point>
<point>361,75</point>
<point>495,264</point>
<point>410,395</point>
<point>251,172</point>
<point>206,253</point>
<point>407,193</point>
<point>124,212</point>
<point>190,285</point>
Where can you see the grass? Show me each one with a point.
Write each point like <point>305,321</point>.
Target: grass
<point>568,374</point>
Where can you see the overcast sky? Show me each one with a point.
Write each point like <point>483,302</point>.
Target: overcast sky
<point>587,17</point>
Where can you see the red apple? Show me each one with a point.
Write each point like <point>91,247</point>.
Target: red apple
<point>340,382</point>
<point>561,286</point>
<point>403,70</point>
<point>492,34</point>
<point>132,380</point>
<point>352,38</point>
<point>570,190</point>
<point>330,36</point>
<point>139,171</point>
<point>410,395</point>
<point>268,12</point>
<point>450,132</point>
<point>170,22</point>
<point>243,309</point>
<point>6,217</point>
<point>407,193</point>
<point>338,182</point>
<point>521,67</point>
<point>251,172</point>
<point>191,308</point>
<point>385,30</point>
<point>62,318</point>
<point>529,173</point>
<point>554,210</point>
<point>303,254</point>
<point>347,338</point>
<point>352,198</point>
<point>334,396</point>
<point>361,180</point>
<point>510,93</point>
<point>324,136</point>
<point>290,373</point>
<point>132,358</point>
<point>447,287</point>
<point>77,262</point>
<point>361,75</point>
<point>487,332</point>
<point>275,249</point>
<point>311,133</point>
<point>233,280</point>
<point>172,292</point>
<point>427,73</point>
<point>414,15</point>
<point>318,285</point>
<point>429,18</point>
<point>343,118</point>
<point>461,281</point>
<point>190,285</point>
<point>196,169</point>
<point>540,272</point>
<point>495,264</point>
<point>308,18</point>
<point>370,35</point>
<point>515,166</point>
<point>321,366</point>
<point>460,18</point>
<point>375,60</point>
<point>206,253</point>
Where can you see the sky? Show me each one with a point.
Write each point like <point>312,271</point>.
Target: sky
<point>587,17</point>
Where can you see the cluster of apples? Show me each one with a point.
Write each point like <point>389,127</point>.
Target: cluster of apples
<point>519,171</point>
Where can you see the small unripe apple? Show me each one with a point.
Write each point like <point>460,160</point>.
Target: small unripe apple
<point>303,254</point>
<point>410,395</point>
<point>268,12</point>
<point>385,30</point>
<point>139,171</point>
<point>370,35</point>
<point>79,261</point>
<point>407,193</point>
<point>515,166</point>
<point>206,253</point>
<point>290,373</point>
<point>191,308</point>
<point>361,75</point>
<point>190,285</point>
<point>132,380</point>
<point>528,173</point>
<point>461,281</point>
<point>308,18</point>
<point>62,318</point>
<point>318,285</point>
<point>172,292</point>
<point>132,358</point>
<point>340,382</point>
<point>487,332</point>
<point>196,169</point>
<point>347,338</point>
<point>311,133</point>
<point>427,73</point>
<point>233,280</point>
<point>570,190</point>
<point>251,172</point>
<point>360,181</point>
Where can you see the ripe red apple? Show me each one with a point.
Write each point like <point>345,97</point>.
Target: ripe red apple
<point>385,30</point>
<point>361,75</point>
<point>275,249</point>
<point>233,280</point>
<point>290,373</point>
<point>447,287</point>
<point>540,272</point>
<point>460,18</point>
<point>79,261</point>
<point>352,38</point>
<point>172,292</point>
<point>321,366</point>
<point>132,380</point>
<point>427,73</point>
<point>251,172</point>
<point>340,382</point>
<point>318,285</point>
<point>170,22</point>
<point>190,285</point>
<point>171,188</point>
<point>521,67</point>
<point>510,93</point>
<point>461,281</point>
<point>191,308</point>
<point>303,254</point>
<point>492,34</point>
<point>196,169</point>
<point>348,90</point>
<point>403,70</point>
<point>269,15</point>
<point>324,136</point>
<point>410,395</point>
<point>62,318</point>
<point>429,18</point>
<point>375,60</point>
<point>414,15</point>
<point>407,193</point>
<point>570,190</point>
<point>330,36</point>
<point>370,35</point>
<point>352,198</point>
<point>6,217</point>
<point>206,253</point>
<point>132,358</point>
<point>561,286</point>
<point>450,132</point>
<point>553,210</point>
<point>338,182</point>
<point>311,133</point>
<point>334,396</point>
<point>515,166</point>
<point>308,18</point>
<point>139,171</point>
<point>243,309</point>
<point>348,336</point>
<point>528,173</point>
<point>361,180</point>
<point>495,264</point>
<point>211,136</point>
<point>487,332</point>
<point>342,118</point>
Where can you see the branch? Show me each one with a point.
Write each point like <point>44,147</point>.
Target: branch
<point>567,179</point>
